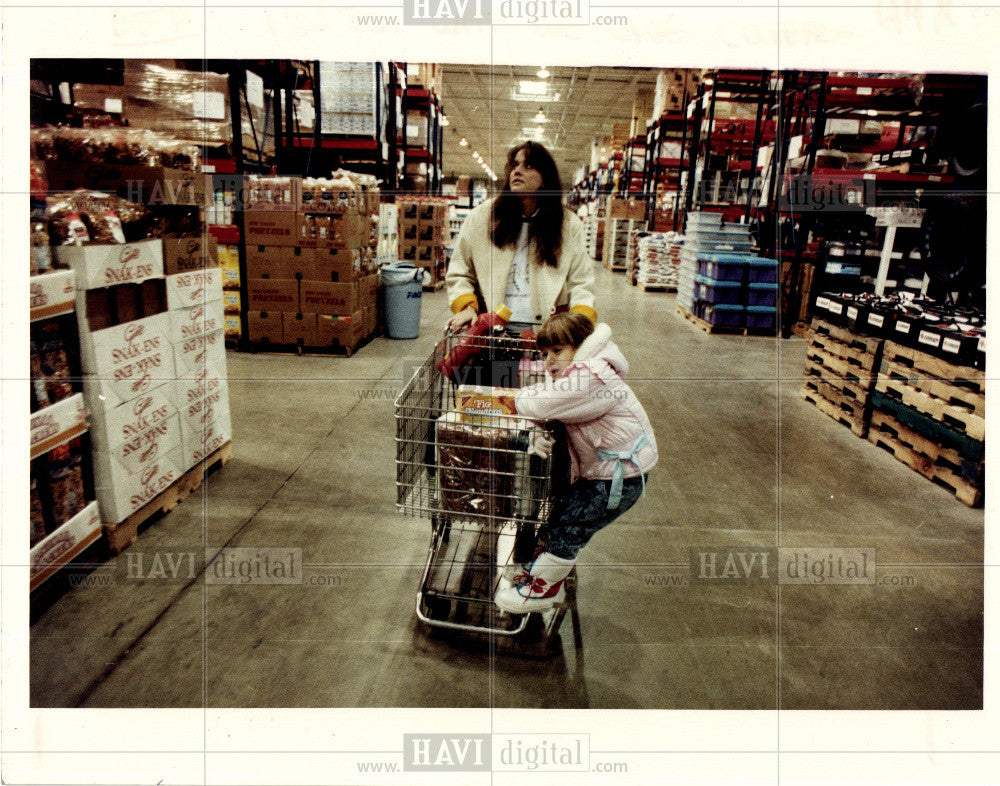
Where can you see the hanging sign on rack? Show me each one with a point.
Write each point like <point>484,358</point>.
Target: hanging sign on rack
<point>906,217</point>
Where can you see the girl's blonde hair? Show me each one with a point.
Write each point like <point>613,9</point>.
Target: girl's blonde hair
<point>564,329</point>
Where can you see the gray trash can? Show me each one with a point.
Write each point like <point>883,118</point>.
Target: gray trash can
<point>403,291</point>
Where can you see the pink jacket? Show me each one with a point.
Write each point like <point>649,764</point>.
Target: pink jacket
<point>599,410</point>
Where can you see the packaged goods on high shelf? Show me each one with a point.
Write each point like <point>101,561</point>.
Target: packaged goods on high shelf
<point>424,231</point>
<point>722,285</point>
<point>312,280</point>
<point>925,384</point>
<point>659,256</point>
<point>149,315</point>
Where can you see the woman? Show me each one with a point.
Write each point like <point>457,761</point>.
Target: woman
<point>522,249</point>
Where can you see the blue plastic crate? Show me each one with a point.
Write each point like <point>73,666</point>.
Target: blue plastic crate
<point>762,295</point>
<point>728,267</point>
<point>724,315</point>
<point>761,318</point>
<point>718,292</point>
<point>762,271</point>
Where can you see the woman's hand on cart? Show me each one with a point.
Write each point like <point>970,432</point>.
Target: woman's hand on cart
<point>460,320</point>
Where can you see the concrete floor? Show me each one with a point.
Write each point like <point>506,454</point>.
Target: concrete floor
<point>744,463</point>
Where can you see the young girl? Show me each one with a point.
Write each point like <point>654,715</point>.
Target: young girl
<point>611,447</point>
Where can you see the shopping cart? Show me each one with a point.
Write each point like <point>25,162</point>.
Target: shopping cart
<point>464,464</point>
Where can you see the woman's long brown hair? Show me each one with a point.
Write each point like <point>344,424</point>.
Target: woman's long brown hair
<point>546,227</point>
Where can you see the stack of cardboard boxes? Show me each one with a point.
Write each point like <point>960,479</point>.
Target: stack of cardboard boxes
<point>424,231</point>
<point>311,248</point>
<point>154,363</point>
<point>672,85</point>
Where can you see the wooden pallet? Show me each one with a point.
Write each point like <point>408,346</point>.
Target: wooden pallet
<point>971,379</point>
<point>339,349</point>
<point>933,386</point>
<point>657,288</point>
<point>934,462</point>
<point>121,536</point>
<point>836,366</point>
<point>833,387</point>
<point>863,352</point>
<point>957,417</point>
<point>865,344</point>
<point>844,410</point>
<point>717,330</point>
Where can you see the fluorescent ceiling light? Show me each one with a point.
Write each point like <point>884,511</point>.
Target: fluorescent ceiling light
<point>543,73</point>
<point>530,87</point>
<point>534,98</point>
<point>445,121</point>
<point>463,143</point>
<point>540,117</point>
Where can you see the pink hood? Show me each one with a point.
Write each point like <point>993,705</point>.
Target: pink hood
<point>599,409</point>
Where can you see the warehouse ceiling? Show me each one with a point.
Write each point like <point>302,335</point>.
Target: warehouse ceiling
<point>481,106</point>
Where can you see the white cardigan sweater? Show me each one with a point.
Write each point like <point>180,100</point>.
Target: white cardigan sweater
<point>476,260</point>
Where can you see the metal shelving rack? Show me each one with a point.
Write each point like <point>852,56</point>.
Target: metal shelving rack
<point>659,169</point>
<point>822,97</point>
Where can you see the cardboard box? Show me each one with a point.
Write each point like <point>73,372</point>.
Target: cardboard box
<point>129,379</point>
<point>339,265</point>
<point>231,301</point>
<point>120,493</point>
<point>202,400</point>
<point>199,444</point>
<point>192,356</point>
<point>278,261</point>
<point>300,327</point>
<point>70,539</point>
<point>330,299</point>
<point>48,425</point>
<point>630,209</point>
<point>103,351</point>
<point>330,197</point>
<point>476,403</point>
<point>265,326</point>
<point>114,426</point>
<point>368,289</point>
<point>409,210</point>
<point>187,254</point>
<point>119,263</point>
<point>186,323</point>
<point>370,319</point>
<point>190,289</point>
<point>143,448</point>
<point>409,231</point>
<point>272,228</point>
<point>345,231</point>
<point>273,295</point>
<point>52,293</point>
<point>409,252</point>
<point>347,331</point>
<point>432,212</point>
<point>277,193</point>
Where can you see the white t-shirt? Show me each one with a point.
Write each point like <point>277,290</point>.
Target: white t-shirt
<point>518,295</point>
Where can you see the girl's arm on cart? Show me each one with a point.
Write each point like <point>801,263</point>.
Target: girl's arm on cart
<point>578,397</point>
